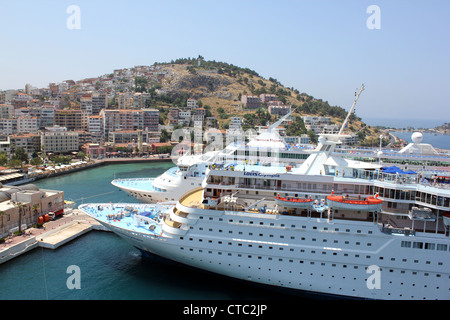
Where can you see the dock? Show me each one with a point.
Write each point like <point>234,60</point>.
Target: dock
<point>55,234</point>
<point>62,235</point>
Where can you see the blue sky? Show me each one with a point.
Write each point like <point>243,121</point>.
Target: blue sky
<point>323,48</point>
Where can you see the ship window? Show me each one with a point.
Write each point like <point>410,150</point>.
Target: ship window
<point>406,244</point>
<point>429,246</point>
<point>418,245</point>
<point>442,247</point>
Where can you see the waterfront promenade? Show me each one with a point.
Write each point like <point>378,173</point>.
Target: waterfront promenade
<point>95,163</point>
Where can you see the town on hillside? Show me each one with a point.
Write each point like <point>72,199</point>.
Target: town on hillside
<point>134,111</point>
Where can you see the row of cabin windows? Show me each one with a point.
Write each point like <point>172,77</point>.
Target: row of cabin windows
<point>424,245</point>
<point>344,266</point>
<point>282,225</point>
<point>281,236</point>
<point>413,195</point>
<point>281,248</point>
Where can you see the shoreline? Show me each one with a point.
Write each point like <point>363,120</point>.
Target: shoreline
<point>93,164</point>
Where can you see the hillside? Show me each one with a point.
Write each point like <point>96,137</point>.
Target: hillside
<point>219,87</point>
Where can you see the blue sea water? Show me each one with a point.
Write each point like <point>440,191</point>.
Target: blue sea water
<point>402,122</point>
<point>110,268</point>
<point>441,141</point>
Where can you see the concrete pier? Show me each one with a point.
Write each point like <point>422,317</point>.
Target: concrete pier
<point>55,234</point>
<point>56,238</point>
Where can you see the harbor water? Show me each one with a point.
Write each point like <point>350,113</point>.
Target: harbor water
<point>437,140</point>
<point>110,268</point>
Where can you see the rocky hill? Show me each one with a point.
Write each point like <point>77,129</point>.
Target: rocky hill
<point>219,86</point>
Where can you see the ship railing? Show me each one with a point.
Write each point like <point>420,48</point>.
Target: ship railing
<point>133,179</point>
<point>281,188</point>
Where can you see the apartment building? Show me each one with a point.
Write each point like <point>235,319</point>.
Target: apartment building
<point>30,196</point>
<point>139,99</point>
<point>6,111</point>
<point>117,120</point>
<point>250,102</point>
<point>21,100</point>
<point>72,119</point>
<point>8,126</point>
<point>30,142</point>
<point>235,123</point>
<point>173,115</point>
<point>28,124</point>
<point>191,104</point>
<point>316,124</point>
<point>60,141</point>
<point>279,109</point>
<point>86,103</point>
<point>267,97</point>
<point>93,102</point>
<point>124,100</point>
<point>95,123</point>
<point>150,119</point>
<point>128,136</point>
<point>47,116</point>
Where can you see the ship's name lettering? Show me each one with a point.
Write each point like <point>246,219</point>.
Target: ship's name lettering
<point>259,174</point>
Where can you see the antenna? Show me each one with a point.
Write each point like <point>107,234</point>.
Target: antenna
<point>351,109</point>
<point>276,124</point>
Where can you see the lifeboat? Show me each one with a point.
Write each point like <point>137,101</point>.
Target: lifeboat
<point>293,202</point>
<point>370,204</point>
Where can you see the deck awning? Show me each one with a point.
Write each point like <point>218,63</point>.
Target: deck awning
<point>7,177</point>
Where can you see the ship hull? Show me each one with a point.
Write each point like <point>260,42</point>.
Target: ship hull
<point>313,262</point>
<point>147,190</point>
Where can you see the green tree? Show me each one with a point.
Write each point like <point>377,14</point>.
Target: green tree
<point>2,213</point>
<point>81,155</point>
<point>20,154</point>
<point>14,163</point>
<point>36,161</point>
<point>21,207</point>
<point>313,136</point>
<point>3,158</point>
<point>296,127</point>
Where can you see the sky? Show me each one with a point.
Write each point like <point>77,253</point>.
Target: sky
<point>325,48</point>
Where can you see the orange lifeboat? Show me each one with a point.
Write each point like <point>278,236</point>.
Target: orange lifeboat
<point>370,204</point>
<point>293,202</point>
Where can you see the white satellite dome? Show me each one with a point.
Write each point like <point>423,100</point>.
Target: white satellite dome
<point>417,137</point>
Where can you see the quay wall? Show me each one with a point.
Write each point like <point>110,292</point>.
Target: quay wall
<point>18,249</point>
<point>94,164</point>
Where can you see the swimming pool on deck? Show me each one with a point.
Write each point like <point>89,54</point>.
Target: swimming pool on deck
<point>142,218</point>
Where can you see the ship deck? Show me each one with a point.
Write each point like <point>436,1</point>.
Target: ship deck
<point>143,184</point>
<point>116,215</point>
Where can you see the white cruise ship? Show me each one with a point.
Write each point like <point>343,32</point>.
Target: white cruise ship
<point>332,226</point>
<point>267,147</point>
